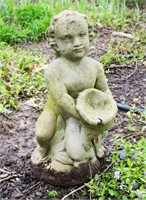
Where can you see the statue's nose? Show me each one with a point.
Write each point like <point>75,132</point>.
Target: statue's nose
<point>77,42</point>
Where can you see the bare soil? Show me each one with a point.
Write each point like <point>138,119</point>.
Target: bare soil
<point>127,83</point>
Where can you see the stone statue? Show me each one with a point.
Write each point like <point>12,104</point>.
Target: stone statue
<point>79,110</point>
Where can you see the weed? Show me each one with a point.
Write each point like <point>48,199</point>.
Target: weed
<point>120,50</point>
<point>127,177</point>
<point>131,128</point>
<point>18,76</point>
<point>52,193</point>
<point>131,115</point>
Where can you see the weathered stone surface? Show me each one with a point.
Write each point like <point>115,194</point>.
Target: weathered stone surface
<point>80,107</point>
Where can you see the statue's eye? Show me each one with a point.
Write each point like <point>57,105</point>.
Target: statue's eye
<point>83,34</point>
<point>63,38</point>
<point>67,38</point>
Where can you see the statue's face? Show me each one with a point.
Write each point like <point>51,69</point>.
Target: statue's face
<point>72,38</point>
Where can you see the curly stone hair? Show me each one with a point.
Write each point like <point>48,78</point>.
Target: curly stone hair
<point>50,33</point>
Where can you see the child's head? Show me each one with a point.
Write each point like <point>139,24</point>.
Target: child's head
<point>69,34</point>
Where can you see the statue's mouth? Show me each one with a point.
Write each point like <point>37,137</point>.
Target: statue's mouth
<point>78,50</point>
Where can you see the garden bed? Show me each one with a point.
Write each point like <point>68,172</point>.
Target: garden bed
<point>127,83</point>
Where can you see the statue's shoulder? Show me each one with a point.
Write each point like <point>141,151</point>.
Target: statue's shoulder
<point>52,68</point>
<point>94,63</point>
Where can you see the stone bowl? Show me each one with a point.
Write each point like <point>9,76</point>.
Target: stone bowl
<point>96,108</point>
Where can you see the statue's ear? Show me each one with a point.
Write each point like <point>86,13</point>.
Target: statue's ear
<point>49,32</point>
<point>46,34</point>
<point>91,32</point>
<point>50,37</point>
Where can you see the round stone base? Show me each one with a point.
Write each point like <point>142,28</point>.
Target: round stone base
<point>77,175</point>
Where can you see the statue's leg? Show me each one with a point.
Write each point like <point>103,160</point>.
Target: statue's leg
<point>73,140</point>
<point>78,144</point>
<point>45,128</point>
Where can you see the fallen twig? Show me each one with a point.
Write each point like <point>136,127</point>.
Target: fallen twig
<point>132,72</point>
<point>120,66</point>
<point>72,192</point>
<point>127,35</point>
<point>83,186</point>
<point>127,137</point>
<point>4,114</point>
<point>30,188</point>
<point>7,175</point>
<point>2,185</point>
<point>5,171</point>
<point>10,177</point>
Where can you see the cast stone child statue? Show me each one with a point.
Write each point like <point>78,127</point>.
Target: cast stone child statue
<point>80,107</point>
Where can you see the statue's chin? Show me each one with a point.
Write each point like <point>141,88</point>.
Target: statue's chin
<point>75,55</point>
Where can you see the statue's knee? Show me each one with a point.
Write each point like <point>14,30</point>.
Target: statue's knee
<point>43,141</point>
<point>44,133</point>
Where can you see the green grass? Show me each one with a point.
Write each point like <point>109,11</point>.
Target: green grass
<point>23,22</point>
<point>26,21</point>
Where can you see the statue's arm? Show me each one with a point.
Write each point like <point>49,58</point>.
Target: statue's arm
<point>60,95</point>
<point>101,80</point>
<point>101,84</point>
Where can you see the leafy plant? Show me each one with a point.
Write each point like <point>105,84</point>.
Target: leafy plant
<point>126,179</point>
<point>119,51</point>
<point>131,128</point>
<point>23,21</point>
<point>18,76</point>
<point>52,193</point>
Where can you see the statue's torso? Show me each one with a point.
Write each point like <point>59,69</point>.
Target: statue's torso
<point>78,78</point>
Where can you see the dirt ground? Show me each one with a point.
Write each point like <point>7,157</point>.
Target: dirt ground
<point>127,83</point>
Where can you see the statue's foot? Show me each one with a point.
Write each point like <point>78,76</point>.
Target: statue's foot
<point>101,152</point>
<point>60,167</point>
<point>77,163</point>
<point>39,155</point>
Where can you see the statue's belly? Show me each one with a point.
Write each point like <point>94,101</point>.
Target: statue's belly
<point>78,80</point>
